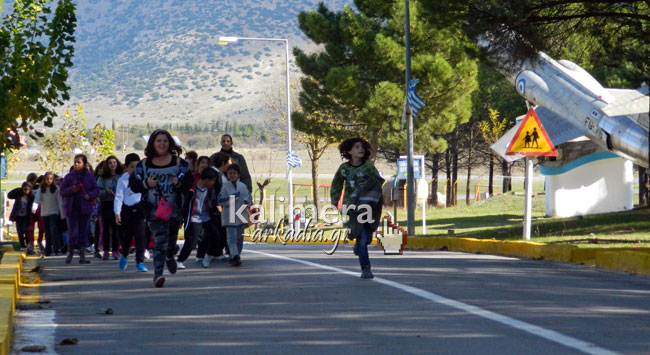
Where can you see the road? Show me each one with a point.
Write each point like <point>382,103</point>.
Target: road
<point>297,299</point>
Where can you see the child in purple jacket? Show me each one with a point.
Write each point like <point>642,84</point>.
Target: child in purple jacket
<point>79,191</point>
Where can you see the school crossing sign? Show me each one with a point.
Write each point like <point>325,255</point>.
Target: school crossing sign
<point>531,139</point>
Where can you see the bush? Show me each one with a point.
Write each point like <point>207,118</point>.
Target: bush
<point>138,144</point>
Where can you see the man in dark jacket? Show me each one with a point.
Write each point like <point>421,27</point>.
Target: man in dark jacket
<point>226,147</point>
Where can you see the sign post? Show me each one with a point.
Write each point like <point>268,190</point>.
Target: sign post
<point>418,174</point>
<point>530,140</point>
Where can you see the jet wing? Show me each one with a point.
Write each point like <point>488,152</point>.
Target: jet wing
<point>627,102</point>
<point>558,129</point>
<point>501,145</point>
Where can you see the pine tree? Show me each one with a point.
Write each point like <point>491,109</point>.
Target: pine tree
<point>359,76</point>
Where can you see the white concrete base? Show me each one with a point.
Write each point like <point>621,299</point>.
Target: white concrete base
<point>599,186</point>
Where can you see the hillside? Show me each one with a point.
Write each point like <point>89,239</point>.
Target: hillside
<point>154,60</point>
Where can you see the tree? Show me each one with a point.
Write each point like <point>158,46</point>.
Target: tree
<point>491,131</point>
<point>62,146</point>
<point>138,144</point>
<point>316,141</point>
<point>13,158</point>
<point>102,143</point>
<point>613,36</point>
<point>36,54</point>
<point>495,93</point>
<point>359,74</point>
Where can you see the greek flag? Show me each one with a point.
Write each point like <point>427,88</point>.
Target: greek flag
<point>413,100</point>
<point>293,160</point>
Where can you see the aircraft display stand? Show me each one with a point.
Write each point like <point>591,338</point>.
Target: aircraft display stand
<point>586,180</point>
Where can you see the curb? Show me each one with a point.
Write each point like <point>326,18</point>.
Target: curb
<point>630,260</point>
<point>9,286</point>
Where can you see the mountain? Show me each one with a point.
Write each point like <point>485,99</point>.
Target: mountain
<point>160,61</point>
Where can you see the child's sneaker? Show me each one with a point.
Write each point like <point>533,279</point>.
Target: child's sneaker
<point>123,262</point>
<point>199,260</point>
<point>159,280</point>
<point>140,267</point>
<point>180,265</point>
<point>115,256</point>
<point>236,261</point>
<point>366,273</point>
<point>206,261</point>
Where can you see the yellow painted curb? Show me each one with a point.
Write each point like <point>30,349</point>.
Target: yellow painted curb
<point>522,249</point>
<point>631,260</point>
<point>627,261</point>
<point>7,309</point>
<point>557,252</point>
<point>9,284</point>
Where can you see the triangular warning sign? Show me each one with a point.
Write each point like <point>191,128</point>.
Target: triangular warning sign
<point>531,139</point>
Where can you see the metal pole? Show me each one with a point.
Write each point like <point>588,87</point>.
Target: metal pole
<point>288,87</point>
<point>528,208</point>
<point>410,188</point>
<point>289,170</point>
<point>424,215</point>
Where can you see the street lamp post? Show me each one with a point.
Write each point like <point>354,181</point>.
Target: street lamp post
<point>226,40</point>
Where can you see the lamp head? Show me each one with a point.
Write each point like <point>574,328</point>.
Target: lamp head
<point>224,40</point>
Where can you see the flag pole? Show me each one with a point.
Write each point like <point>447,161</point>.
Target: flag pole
<point>410,186</point>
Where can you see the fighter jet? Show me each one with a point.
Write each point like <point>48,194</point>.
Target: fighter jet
<point>571,104</point>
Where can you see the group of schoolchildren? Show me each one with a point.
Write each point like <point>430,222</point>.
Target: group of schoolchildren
<point>38,203</point>
<point>141,204</point>
<point>145,203</point>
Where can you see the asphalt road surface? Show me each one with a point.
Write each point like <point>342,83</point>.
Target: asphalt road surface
<point>296,299</point>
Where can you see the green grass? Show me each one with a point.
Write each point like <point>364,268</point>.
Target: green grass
<point>501,217</point>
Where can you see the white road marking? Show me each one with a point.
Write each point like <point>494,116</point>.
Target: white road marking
<point>34,328</point>
<point>548,334</point>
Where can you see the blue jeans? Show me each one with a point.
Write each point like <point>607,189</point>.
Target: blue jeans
<point>235,238</point>
<point>362,247</point>
<point>53,239</point>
